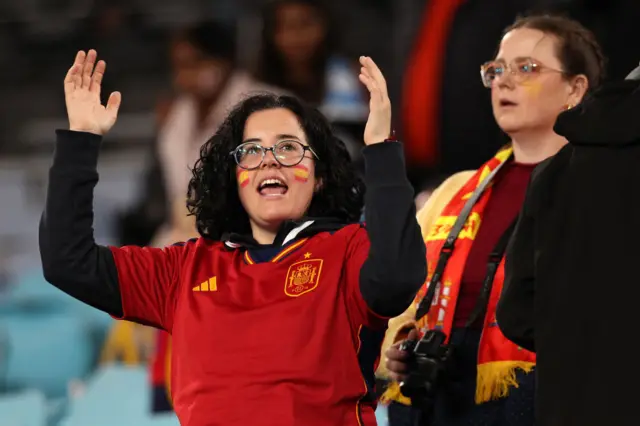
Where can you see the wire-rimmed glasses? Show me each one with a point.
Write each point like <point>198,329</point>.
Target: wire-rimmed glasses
<point>288,153</point>
<point>520,70</point>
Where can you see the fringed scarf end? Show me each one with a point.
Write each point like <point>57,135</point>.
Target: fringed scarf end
<point>393,394</point>
<point>496,378</point>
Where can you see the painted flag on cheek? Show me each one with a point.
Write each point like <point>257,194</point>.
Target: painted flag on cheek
<point>301,173</point>
<point>243,178</point>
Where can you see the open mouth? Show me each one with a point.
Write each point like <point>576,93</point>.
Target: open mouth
<point>272,187</point>
<point>507,103</point>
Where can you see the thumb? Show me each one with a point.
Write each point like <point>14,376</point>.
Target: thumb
<point>413,335</point>
<point>113,104</point>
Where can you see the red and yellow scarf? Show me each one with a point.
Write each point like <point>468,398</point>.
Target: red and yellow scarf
<point>498,358</point>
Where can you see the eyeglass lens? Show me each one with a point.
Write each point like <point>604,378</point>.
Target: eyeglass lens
<point>251,154</point>
<point>520,70</point>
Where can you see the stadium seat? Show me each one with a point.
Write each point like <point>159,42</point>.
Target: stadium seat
<point>162,420</point>
<point>29,293</point>
<point>115,395</point>
<point>45,351</point>
<point>382,415</point>
<point>23,409</point>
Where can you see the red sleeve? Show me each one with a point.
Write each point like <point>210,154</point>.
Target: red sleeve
<point>360,312</point>
<point>149,280</point>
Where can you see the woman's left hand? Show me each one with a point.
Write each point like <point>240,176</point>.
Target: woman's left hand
<point>378,128</point>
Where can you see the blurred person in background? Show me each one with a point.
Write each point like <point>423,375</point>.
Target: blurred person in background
<point>570,293</point>
<point>237,299</point>
<point>544,66</point>
<point>207,83</point>
<point>299,53</point>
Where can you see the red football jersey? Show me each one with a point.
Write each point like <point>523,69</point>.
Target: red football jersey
<point>289,341</point>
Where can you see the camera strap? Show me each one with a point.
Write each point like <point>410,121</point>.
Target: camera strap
<point>449,244</point>
<point>479,310</point>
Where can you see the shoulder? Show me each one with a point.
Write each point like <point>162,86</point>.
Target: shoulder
<point>456,181</point>
<point>440,197</point>
<point>547,171</point>
<point>348,231</point>
<point>198,245</point>
<point>546,179</point>
<point>345,236</point>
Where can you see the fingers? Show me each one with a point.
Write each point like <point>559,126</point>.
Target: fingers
<point>70,81</point>
<point>397,377</point>
<point>375,93</point>
<point>395,354</point>
<point>96,79</point>
<point>397,369</point>
<point>84,73</point>
<point>413,334</point>
<point>87,69</point>
<point>113,104</point>
<point>396,362</point>
<point>371,70</point>
<point>369,83</point>
<point>73,78</point>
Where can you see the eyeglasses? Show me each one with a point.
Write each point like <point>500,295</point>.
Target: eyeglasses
<point>288,153</point>
<point>520,69</point>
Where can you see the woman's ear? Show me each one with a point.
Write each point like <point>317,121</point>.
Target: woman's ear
<point>579,88</point>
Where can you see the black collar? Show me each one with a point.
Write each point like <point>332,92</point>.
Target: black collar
<point>290,230</point>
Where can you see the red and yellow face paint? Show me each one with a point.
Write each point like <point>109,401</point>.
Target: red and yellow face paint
<point>532,87</point>
<point>243,177</point>
<point>301,173</point>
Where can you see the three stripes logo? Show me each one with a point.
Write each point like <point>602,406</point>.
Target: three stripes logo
<point>209,285</point>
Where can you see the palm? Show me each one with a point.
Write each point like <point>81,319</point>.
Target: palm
<point>82,95</point>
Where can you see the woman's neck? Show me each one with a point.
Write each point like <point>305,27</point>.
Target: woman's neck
<point>533,148</point>
<point>300,75</point>
<point>263,236</point>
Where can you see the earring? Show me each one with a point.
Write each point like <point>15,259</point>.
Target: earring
<point>568,107</point>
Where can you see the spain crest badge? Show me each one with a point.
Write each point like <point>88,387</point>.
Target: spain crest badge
<point>302,277</point>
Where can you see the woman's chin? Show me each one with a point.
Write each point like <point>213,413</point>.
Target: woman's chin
<point>510,126</point>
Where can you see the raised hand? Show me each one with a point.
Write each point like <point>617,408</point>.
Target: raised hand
<point>378,128</point>
<point>82,96</point>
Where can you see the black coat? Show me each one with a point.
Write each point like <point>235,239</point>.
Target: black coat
<point>572,287</point>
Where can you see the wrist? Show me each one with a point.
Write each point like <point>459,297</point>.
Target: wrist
<point>84,129</point>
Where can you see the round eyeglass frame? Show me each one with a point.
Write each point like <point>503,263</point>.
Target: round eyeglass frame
<point>273,148</point>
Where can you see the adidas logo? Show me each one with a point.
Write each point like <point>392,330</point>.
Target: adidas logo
<point>210,285</point>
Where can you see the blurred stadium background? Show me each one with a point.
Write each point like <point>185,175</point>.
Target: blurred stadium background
<point>52,361</point>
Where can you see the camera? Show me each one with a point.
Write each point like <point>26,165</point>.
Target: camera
<point>428,364</point>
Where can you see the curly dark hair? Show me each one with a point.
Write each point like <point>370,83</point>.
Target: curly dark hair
<point>213,191</point>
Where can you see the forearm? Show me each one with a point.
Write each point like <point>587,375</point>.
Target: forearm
<point>71,260</point>
<point>396,265</point>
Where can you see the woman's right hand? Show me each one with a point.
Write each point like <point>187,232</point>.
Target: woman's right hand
<point>397,361</point>
<point>82,96</point>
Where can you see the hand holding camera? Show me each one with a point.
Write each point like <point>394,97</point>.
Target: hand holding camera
<point>420,365</point>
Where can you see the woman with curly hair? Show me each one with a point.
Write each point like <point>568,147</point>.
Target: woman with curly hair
<point>277,312</point>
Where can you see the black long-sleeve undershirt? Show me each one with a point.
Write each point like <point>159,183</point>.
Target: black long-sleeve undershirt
<point>71,259</point>
<point>73,262</point>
